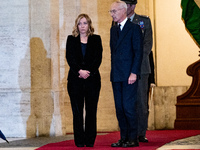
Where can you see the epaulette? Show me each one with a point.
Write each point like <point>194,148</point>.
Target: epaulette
<point>144,16</point>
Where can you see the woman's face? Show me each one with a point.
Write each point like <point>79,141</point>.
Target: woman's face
<point>83,26</point>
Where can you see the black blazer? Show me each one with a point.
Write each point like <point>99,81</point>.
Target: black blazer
<point>126,51</point>
<point>75,59</point>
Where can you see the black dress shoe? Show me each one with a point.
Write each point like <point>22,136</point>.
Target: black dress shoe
<point>80,145</point>
<point>143,139</point>
<point>89,145</point>
<point>118,144</point>
<point>130,144</point>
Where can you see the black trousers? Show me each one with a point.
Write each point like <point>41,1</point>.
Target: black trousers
<point>84,91</point>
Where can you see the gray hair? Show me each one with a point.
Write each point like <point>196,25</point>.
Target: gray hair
<point>122,4</point>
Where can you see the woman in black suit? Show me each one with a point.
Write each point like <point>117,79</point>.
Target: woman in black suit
<point>84,56</point>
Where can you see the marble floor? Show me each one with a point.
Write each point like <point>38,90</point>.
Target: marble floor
<point>33,143</point>
<point>187,143</point>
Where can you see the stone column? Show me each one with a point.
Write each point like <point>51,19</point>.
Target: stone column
<point>41,101</point>
<point>15,72</point>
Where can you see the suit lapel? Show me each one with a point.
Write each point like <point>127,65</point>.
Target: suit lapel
<point>124,31</point>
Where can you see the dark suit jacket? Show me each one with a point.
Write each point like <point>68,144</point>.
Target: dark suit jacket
<point>126,51</point>
<point>145,25</point>
<point>90,62</point>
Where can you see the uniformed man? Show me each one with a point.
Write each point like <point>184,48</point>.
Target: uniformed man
<point>142,94</point>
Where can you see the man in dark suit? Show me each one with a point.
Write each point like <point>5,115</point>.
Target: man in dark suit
<point>143,87</point>
<point>126,57</point>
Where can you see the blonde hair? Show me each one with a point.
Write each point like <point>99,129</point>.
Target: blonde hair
<point>75,31</point>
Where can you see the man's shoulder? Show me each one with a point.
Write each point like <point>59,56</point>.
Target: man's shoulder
<point>144,17</point>
<point>143,20</point>
<point>133,23</point>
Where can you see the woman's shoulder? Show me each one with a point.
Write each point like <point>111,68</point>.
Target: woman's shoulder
<point>95,36</point>
<point>70,36</point>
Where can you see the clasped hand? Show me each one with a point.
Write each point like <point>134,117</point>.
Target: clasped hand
<point>84,74</point>
<point>132,78</point>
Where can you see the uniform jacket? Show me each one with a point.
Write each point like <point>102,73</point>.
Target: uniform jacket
<point>126,51</point>
<point>152,74</point>
<point>90,62</point>
<point>145,25</point>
